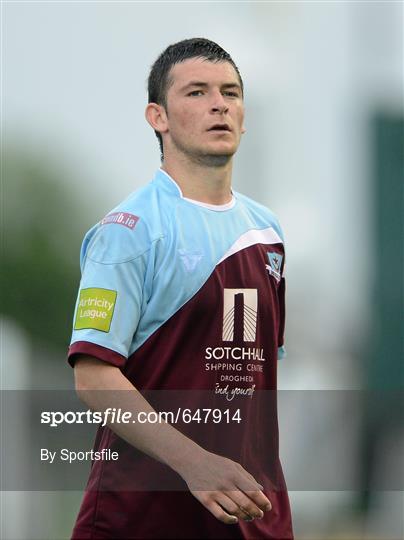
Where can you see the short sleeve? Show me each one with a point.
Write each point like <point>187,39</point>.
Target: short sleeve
<point>281,330</point>
<point>110,298</point>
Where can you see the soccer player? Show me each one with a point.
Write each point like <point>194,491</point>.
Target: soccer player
<point>181,307</point>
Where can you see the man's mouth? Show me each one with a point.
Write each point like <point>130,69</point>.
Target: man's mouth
<point>220,127</point>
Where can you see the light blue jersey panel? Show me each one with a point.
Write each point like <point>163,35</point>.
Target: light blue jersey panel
<point>155,265</point>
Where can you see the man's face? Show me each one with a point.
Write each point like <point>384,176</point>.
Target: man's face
<point>205,110</point>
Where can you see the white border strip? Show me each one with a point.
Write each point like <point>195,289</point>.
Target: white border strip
<point>252,237</point>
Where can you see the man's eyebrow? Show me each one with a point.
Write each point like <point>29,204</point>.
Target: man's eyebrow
<point>231,85</point>
<point>204,85</point>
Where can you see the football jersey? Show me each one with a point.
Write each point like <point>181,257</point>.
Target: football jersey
<point>188,300</point>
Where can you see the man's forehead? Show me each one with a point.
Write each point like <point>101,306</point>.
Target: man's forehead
<point>203,70</point>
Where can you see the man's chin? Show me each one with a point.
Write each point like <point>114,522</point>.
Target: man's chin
<point>222,150</point>
<point>214,159</point>
<point>219,155</point>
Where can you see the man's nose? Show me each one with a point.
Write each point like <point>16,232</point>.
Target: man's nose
<point>219,104</point>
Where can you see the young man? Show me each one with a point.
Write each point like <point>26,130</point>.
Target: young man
<point>181,304</point>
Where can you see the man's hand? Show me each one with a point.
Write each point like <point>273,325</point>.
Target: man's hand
<point>220,484</point>
<point>227,490</point>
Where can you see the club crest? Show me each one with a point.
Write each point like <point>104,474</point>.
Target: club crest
<point>275,264</point>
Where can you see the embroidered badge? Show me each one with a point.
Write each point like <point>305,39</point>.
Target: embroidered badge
<point>275,263</point>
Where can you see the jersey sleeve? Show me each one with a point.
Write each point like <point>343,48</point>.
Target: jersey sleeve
<point>282,313</point>
<point>281,300</point>
<point>111,296</point>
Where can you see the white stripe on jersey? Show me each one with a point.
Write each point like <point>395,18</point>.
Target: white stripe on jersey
<point>252,237</point>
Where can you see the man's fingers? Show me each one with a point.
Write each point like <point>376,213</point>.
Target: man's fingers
<point>260,499</point>
<point>238,495</point>
<point>246,482</point>
<point>219,513</point>
<point>232,508</point>
<point>257,485</point>
<point>254,492</point>
<point>245,503</point>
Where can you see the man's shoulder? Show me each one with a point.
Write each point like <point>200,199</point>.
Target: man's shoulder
<point>128,230</point>
<point>261,214</point>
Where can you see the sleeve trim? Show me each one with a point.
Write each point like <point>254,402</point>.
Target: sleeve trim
<point>92,349</point>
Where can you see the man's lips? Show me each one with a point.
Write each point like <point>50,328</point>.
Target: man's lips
<point>220,127</point>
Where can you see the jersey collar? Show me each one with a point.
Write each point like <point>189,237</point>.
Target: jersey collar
<point>162,177</point>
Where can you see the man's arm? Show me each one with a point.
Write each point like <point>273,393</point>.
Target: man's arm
<point>236,494</point>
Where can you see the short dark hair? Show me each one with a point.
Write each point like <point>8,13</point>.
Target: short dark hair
<point>159,79</point>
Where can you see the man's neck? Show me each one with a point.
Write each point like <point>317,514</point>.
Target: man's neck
<point>210,185</point>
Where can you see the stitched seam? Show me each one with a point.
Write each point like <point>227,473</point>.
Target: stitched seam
<point>131,259</point>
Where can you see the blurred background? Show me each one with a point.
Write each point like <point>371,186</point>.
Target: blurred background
<point>323,149</point>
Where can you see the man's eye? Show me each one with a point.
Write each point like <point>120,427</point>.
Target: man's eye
<point>230,93</point>
<point>195,93</point>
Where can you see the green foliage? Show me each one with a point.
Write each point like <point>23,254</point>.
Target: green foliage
<point>41,236</point>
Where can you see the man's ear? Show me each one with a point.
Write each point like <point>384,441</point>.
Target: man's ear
<point>243,129</point>
<point>157,117</point>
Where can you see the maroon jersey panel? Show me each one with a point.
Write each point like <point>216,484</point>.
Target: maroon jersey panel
<point>218,351</point>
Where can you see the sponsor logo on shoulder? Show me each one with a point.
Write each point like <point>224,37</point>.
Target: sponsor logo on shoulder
<point>121,218</point>
<point>274,266</point>
<point>95,309</point>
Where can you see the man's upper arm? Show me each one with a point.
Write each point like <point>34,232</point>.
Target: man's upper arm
<point>111,295</point>
<point>92,374</point>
